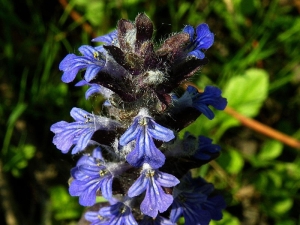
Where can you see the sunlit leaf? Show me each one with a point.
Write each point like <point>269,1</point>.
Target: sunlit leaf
<point>282,206</point>
<point>270,150</point>
<point>246,93</point>
<point>64,206</point>
<point>232,161</point>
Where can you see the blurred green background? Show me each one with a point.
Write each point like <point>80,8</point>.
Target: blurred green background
<point>254,60</point>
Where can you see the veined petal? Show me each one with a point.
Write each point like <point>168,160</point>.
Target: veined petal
<point>59,126</point>
<point>87,50</point>
<point>91,216</point>
<point>91,72</point>
<point>131,133</point>
<point>84,139</point>
<point>138,187</point>
<point>91,170</point>
<point>205,110</point>
<point>190,30</point>
<point>94,89</point>
<point>166,180</point>
<point>159,132</point>
<point>107,38</point>
<point>205,38</point>
<point>106,187</point>
<point>88,196</point>
<point>176,212</point>
<point>81,83</point>
<point>155,201</point>
<point>79,114</point>
<point>65,63</point>
<point>64,140</point>
<point>130,219</point>
<point>69,75</point>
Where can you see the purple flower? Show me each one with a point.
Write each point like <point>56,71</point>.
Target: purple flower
<point>92,60</point>
<point>119,214</point>
<point>192,201</point>
<point>94,218</point>
<point>206,148</point>
<point>201,101</point>
<point>107,38</point>
<point>215,205</point>
<point>79,133</point>
<point>159,220</point>
<point>95,89</point>
<point>187,205</point>
<point>143,130</point>
<point>156,200</point>
<point>90,176</point>
<point>203,39</point>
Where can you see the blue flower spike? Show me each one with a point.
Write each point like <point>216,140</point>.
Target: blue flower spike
<point>131,152</point>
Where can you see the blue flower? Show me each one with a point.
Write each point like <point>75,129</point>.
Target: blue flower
<point>192,201</point>
<point>202,40</point>
<point>107,38</point>
<point>201,101</point>
<point>79,133</point>
<point>159,220</point>
<point>94,218</point>
<point>187,205</point>
<point>143,130</point>
<point>93,61</point>
<point>215,205</point>
<point>152,181</point>
<point>119,214</point>
<point>95,89</point>
<point>206,148</point>
<point>90,176</point>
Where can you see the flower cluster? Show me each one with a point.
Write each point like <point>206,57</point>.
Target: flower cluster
<point>131,152</point>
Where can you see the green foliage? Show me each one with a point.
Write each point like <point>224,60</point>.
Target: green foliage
<point>228,219</point>
<point>246,93</point>
<point>63,205</point>
<point>270,150</point>
<point>255,61</point>
<point>17,158</point>
<point>232,161</point>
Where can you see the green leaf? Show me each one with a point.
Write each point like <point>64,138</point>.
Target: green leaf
<point>276,178</point>
<point>270,150</point>
<point>227,219</point>
<point>283,205</point>
<point>232,161</point>
<point>246,93</point>
<point>64,206</point>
